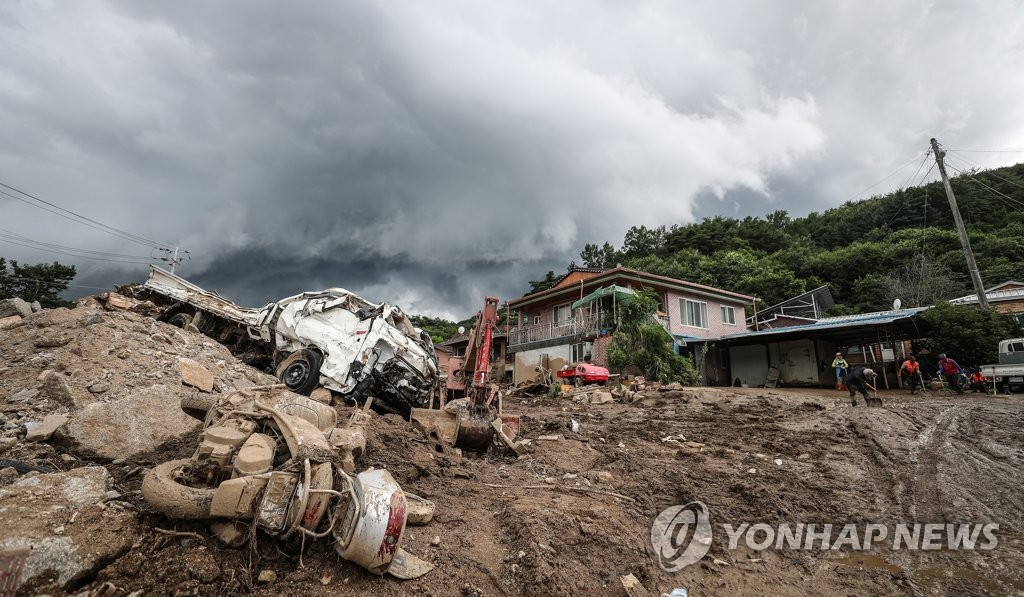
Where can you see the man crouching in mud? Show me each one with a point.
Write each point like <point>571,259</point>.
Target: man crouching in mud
<point>859,380</point>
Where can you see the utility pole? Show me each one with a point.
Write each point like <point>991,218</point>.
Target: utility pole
<point>174,260</point>
<point>972,267</point>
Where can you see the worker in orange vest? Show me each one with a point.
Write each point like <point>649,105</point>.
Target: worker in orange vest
<point>910,370</point>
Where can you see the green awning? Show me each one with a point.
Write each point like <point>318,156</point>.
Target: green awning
<point>622,295</point>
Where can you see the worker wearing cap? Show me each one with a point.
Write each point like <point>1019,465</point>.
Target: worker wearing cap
<point>859,380</point>
<point>951,370</point>
<point>909,370</point>
<point>841,366</point>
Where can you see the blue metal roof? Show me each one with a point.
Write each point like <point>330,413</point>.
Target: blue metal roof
<point>836,323</point>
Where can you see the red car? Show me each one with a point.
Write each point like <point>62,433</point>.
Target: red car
<point>584,373</point>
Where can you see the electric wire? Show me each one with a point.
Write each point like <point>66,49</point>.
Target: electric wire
<point>1012,202</point>
<point>887,177</point>
<point>79,218</point>
<point>989,172</point>
<point>5,233</point>
<point>94,258</point>
<point>11,277</point>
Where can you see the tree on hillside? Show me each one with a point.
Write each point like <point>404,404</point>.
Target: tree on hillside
<point>41,282</point>
<point>640,341</point>
<point>604,256</point>
<point>968,334</point>
<point>538,285</point>
<point>919,282</point>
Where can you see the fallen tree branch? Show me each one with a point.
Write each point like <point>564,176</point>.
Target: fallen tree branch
<point>565,488</point>
<point>179,533</point>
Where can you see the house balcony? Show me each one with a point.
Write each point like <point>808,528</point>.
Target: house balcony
<point>664,321</point>
<point>573,328</point>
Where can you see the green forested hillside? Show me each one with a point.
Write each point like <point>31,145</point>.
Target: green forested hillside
<point>869,252</point>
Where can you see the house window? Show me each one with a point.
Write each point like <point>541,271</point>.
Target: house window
<point>728,315</point>
<point>695,313</point>
<point>579,351</point>
<point>562,313</point>
<point>536,320</point>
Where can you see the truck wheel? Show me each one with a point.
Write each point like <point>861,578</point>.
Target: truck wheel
<point>180,320</point>
<point>301,371</point>
<point>165,495</point>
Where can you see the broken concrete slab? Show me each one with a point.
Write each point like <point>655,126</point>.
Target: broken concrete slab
<point>15,306</point>
<point>130,426</point>
<point>601,397</point>
<point>44,430</point>
<point>58,516</point>
<point>195,375</point>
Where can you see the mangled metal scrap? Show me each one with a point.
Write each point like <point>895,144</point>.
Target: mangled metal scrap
<point>275,461</point>
<point>332,338</point>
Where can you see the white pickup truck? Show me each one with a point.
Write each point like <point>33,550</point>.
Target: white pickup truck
<point>332,338</point>
<point>1009,373</point>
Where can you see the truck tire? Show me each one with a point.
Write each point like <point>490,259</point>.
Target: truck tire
<point>301,371</point>
<point>196,406</point>
<point>180,320</point>
<point>165,495</point>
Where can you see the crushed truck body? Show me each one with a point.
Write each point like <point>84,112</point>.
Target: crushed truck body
<point>332,338</point>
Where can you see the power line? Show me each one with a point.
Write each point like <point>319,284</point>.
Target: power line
<point>68,285</point>
<point>70,215</point>
<point>989,150</point>
<point>887,177</point>
<point>10,234</point>
<point>1013,203</point>
<point>14,242</point>
<point>989,172</point>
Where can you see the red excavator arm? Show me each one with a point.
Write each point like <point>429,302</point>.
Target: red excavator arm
<point>478,352</point>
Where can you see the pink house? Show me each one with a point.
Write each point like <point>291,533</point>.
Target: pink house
<point>551,334</point>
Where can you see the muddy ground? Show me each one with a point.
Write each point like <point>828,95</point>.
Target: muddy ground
<point>523,526</point>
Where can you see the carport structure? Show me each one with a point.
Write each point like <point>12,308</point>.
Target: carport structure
<point>802,355</point>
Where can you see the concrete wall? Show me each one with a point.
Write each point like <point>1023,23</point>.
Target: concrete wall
<point>526,361</point>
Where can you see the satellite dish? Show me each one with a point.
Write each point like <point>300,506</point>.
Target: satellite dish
<point>462,329</point>
<point>896,304</point>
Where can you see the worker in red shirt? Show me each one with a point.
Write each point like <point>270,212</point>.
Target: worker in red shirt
<point>910,371</point>
<point>978,382</point>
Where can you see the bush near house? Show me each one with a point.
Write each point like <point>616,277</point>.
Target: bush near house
<point>640,341</point>
<point>967,334</point>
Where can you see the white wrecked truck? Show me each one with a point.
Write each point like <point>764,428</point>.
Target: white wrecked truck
<point>332,338</point>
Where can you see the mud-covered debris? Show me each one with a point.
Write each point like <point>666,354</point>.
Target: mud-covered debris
<point>633,587</point>
<point>195,375</point>
<point>55,388</point>
<point>44,430</point>
<point>58,516</point>
<point>266,577</point>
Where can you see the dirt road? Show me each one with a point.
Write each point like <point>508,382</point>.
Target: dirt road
<point>508,526</point>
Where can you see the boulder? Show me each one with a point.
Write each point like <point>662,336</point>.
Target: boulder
<point>11,322</point>
<point>36,307</point>
<point>195,375</point>
<point>15,306</point>
<point>601,397</point>
<point>60,519</point>
<point>130,426</point>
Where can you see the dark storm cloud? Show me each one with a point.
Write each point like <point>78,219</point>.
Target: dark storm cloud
<point>431,153</point>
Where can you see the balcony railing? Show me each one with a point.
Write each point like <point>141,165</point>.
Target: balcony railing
<point>663,320</point>
<point>549,331</point>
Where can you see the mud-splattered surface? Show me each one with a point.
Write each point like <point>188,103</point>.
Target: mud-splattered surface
<point>523,526</point>
<point>940,461</point>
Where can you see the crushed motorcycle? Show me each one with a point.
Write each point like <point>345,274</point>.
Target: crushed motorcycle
<point>277,462</point>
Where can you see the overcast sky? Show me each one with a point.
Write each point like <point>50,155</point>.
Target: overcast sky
<point>428,153</point>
